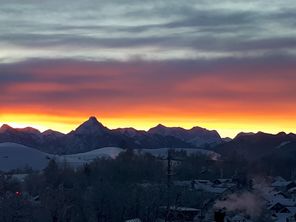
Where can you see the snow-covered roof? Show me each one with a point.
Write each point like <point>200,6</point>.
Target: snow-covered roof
<point>225,185</point>
<point>292,210</point>
<point>281,183</point>
<point>281,217</point>
<point>20,177</point>
<point>273,195</point>
<point>181,208</point>
<point>292,190</point>
<point>238,218</point>
<point>204,182</point>
<point>279,178</point>
<point>223,180</point>
<point>283,201</point>
<point>133,220</point>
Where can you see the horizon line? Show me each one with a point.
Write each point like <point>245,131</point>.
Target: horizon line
<point>44,129</point>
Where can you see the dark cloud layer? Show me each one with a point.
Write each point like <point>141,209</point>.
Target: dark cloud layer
<point>134,57</point>
<point>269,80</point>
<point>154,30</point>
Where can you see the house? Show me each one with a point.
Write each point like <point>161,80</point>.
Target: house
<point>20,177</point>
<point>280,217</point>
<point>179,214</point>
<point>272,196</point>
<point>237,218</point>
<point>133,220</point>
<point>292,193</point>
<point>277,207</point>
<point>222,181</point>
<point>290,210</point>
<point>284,201</point>
<point>287,214</point>
<point>278,178</point>
<point>202,185</point>
<point>283,185</point>
<point>204,182</point>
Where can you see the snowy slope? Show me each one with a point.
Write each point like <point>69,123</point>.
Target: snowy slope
<point>113,152</point>
<point>81,158</point>
<point>13,156</point>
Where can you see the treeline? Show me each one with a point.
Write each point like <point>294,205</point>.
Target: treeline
<point>130,186</point>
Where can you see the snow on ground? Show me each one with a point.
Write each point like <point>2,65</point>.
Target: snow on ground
<point>13,156</point>
<point>113,152</point>
<point>82,158</point>
<point>283,144</point>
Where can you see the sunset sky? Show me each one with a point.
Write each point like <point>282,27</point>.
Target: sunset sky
<point>224,65</point>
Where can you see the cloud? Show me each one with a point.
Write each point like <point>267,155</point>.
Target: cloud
<point>193,58</point>
<point>159,30</point>
<point>157,84</point>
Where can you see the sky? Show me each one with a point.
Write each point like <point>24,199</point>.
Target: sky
<point>224,65</point>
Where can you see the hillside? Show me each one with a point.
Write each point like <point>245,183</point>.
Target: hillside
<point>256,146</point>
<point>14,156</point>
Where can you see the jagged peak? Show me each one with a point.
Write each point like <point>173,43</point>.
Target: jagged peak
<point>281,134</point>
<point>29,130</point>
<point>52,132</point>
<point>92,125</point>
<point>163,127</point>
<point>5,127</point>
<point>127,129</point>
<point>197,128</point>
<point>242,134</point>
<point>93,119</point>
<point>160,126</point>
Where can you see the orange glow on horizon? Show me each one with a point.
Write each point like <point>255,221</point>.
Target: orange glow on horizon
<point>230,98</point>
<point>227,126</point>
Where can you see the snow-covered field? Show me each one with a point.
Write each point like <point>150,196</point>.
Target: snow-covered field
<point>15,156</point>
<point>82,158</point>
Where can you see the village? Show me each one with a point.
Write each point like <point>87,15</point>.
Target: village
<point>225,200</point>
<point>230,201</point>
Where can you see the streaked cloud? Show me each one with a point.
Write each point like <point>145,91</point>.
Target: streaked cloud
<point>125,30</point>
<point>216,60</point>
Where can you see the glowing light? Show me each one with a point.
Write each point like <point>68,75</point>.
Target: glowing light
<point>227,126</point>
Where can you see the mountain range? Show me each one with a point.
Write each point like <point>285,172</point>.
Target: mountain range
<point>255,146</point>
<point>92,135</point>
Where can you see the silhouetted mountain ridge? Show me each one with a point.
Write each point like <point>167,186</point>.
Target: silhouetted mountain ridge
<point>88,136</point>
<point>197,136</point>
<point>254,146</point>
<point>92,135</point>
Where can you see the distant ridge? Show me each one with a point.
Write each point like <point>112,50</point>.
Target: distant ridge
<point>196,135</point>
<point>92,134</point>
<point>253,146</point>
